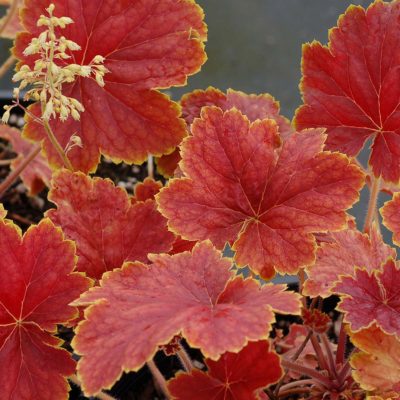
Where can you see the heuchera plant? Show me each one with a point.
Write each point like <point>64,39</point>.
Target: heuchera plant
<point>132,275</point>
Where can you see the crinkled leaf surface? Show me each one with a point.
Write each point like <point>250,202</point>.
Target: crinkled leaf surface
<point>372,297</point>
<point>344,251</point>
<point>352,87</point>
<point>37,283</point>
<point>147,45</point>
<point>252,105</point>
<point>37,174</point>
<point>107,228</point>
<point>194,293</point>
<point>391,217</point>
<point>377,366</point>
<point>235,376</point>
<point>241,187</point>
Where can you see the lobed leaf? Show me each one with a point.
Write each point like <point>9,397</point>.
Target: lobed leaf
<point>391,216</point>
<point>147,45</point>
<point>37,175</point>
<point>240,186</point>
<point>194,294</point>
<point>107,228</point>
<point>351,86</point>
<point>377,365</point>
<point>371,297</point>
<point>252,105</point>
<point>345,251</point>
<point>235,376</point>
<point>37,284</point>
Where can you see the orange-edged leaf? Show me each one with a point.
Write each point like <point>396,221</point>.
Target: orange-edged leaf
<point>391,216</point>
<point>235,376</point>
<point>377,366</point>
<point>241,187</point>
<point>3,212</point>
<point>107,228</point>
<point>147,45</point>
<point>37,175</point>
<point>351,87</point>
<point>252,105</point>
<point>194,294</point>
<point>369,297</point>
<point>340,254</point>
<point>146,190</point>
<point>12,22</point>
<point>37,284</point>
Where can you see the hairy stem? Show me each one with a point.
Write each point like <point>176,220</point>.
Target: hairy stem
<point>57,146</point>
<point>10,14</point>
<point>7,65</point>
<point>302,277</point>
<point>184,358</point>
<point>150,166</point>
<point>101,396</point>
<point>373,201</point>
<point>6,162</point>
<point>158,377</point>
<point>17,171</point>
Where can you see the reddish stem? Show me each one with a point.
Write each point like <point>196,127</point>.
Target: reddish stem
<point>328,351</point>
<point>320,354</point>
<point>17,171</point>
<point>158,377</point>
<point>309,372</point>
<point>373,201</point>
<point>341,347</point>
<point>184,358</point>
<point>294,358</point>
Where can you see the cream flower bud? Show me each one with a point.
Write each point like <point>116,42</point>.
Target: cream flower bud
<point>75,115</point>
<point>98,60</point>
<point>6,115</point>
<point>49,110</point>
<point>99,79</point>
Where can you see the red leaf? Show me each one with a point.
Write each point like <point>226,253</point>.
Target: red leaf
<point>391,217</point>
<point>37,174</point>
<point>372,297</point>
<point>240,187</point>
<point>146,190</point>
<point>235,376</point>
<point>352,86</point>
<point>345,251</point>
<point>253,106</point>
<point>37,284</point>
<point>107,228</point>
<point>156,44</point>
<point>194,294</point>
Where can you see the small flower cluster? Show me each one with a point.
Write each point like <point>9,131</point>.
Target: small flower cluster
<point>48,74</point>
